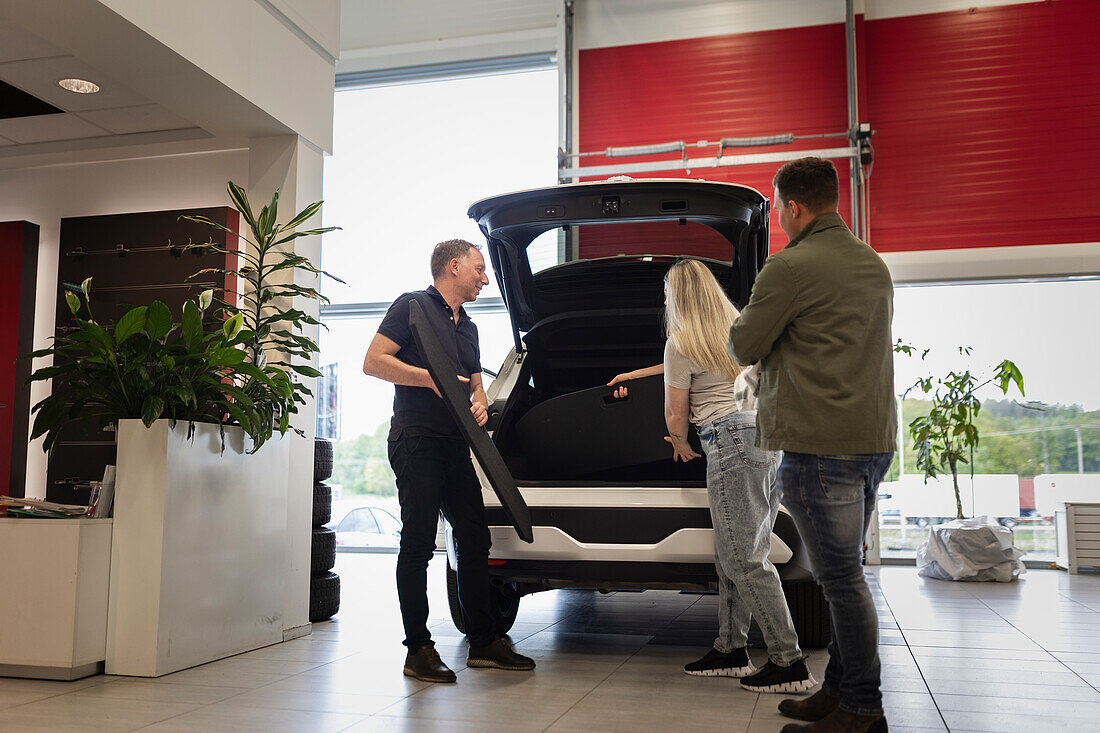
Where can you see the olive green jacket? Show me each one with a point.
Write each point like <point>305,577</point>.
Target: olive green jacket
<point>818,322</point>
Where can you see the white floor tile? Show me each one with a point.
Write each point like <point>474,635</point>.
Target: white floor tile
<point>986,657</point>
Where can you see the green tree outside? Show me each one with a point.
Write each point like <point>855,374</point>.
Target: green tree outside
<point>1020,440</point>
<point>361,465</point>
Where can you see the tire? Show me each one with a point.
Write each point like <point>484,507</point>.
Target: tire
<point>503,604</point>
<point>324,596</point>
<point>322,459</point>
<point>323,555</point>
<point>322,504</point>
<point>809,611</point>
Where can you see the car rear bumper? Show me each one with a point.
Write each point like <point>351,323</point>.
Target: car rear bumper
<point>690,545</point>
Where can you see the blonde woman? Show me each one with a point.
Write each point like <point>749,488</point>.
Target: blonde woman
<point>704,384</point>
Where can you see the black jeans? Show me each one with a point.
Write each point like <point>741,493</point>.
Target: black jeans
<point>436,474</point>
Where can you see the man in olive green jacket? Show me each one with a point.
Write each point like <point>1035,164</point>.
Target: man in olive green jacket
<point>818,322</point>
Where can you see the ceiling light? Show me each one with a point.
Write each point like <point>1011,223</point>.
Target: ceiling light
<point>80,86</point>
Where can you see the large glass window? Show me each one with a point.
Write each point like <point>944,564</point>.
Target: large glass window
<point>407,163</point>
<point>409,160</point>
<point>1036,450</point>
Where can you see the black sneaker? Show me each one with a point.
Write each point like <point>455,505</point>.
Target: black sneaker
<point>424,664</point>
<point>499,655</point>
<point>773,678</point>
<point>721,664</point>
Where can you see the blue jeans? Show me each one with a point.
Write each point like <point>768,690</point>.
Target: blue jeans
<point>831,499</point>
<point>743,505</point>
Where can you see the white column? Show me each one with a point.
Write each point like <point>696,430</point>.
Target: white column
<point>294,167</point>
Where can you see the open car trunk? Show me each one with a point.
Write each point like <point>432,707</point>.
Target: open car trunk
<point>561,422</point>
<point>600,314</point>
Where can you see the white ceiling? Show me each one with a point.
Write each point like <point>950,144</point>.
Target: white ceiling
<point>35,66</point>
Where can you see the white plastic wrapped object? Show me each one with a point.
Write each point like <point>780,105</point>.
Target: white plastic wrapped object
<point>970,549</point>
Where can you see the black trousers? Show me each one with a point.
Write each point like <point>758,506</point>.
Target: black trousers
<point>436,474</point>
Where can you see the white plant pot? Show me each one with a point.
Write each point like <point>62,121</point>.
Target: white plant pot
<point>198,556</point>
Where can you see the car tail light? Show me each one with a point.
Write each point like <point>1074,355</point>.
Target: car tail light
<point>497,562</point>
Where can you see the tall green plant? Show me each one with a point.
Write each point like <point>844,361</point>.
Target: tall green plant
<point>274,325</point>
<point>947,435</point>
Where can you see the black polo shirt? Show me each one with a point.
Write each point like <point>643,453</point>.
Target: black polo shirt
<point>418,410</point>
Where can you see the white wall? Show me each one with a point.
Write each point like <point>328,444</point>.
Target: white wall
<point>266,52</point>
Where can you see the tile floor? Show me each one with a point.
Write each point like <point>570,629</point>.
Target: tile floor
<point>956,656</point>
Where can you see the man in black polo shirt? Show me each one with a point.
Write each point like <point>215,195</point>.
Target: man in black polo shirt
<point>431,461</point>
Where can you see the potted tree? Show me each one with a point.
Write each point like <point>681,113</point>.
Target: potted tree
<point>965,549</point>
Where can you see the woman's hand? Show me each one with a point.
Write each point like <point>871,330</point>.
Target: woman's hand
<point>622,391</point>
<point>681,450</point>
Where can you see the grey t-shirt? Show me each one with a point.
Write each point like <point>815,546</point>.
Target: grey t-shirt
<point>710,396</point>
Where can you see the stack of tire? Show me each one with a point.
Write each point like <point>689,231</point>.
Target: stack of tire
<point>324,585</point>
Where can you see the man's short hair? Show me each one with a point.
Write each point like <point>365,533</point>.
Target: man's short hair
<point>444,252</point>
<point>812,182</point>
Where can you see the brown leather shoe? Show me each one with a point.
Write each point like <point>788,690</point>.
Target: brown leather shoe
<point>499,655</point>
<point>812,708</point>
<point>841,721</point>
<point>425,665</point>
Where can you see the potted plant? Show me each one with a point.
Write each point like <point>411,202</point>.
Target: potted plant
<point>966,549</point>
<point>144,366</point>
<point>200,560</point>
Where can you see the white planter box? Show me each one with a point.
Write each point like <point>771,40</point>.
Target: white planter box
<point>198,559</point>
<point>53,605</point>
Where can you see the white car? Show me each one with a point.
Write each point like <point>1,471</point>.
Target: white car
<point>580,489</point>
<point>368,526</point>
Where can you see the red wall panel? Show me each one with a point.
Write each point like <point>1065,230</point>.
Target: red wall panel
<point>653,238</point>
<point>987,121</point>
<point>19,253</point>
<point>790,80</point>
<point>986,127</point>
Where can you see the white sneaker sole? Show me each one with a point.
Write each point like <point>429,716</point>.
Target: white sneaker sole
<point>735,672</point>
<point>784,687</point>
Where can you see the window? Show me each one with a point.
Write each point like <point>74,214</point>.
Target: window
<point>407,163</point>
<point>1036,450</point>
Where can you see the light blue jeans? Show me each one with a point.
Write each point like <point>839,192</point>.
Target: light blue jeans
<point>831,499</point>
<point>743,506</point>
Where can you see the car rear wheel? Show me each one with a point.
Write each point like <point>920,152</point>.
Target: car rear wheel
<point>809,611</point>
<point>503,603</point>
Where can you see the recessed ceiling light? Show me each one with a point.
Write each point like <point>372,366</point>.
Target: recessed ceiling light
<point>80,86</point>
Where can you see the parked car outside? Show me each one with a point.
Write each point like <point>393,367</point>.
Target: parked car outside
<point>368,526</point>
<point>579,486</point>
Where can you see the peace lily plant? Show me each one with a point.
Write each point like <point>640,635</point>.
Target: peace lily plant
<point>213,364</point>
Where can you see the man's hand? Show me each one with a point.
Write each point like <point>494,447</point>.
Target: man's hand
<point>480,413</point>
<point>681,450</point>
<point>430,383</point>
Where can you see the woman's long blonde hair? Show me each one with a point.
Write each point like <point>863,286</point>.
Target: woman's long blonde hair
<point>698,316</point>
